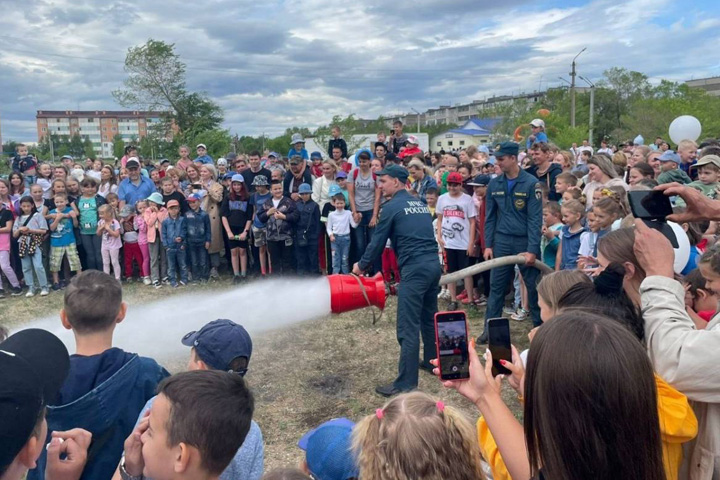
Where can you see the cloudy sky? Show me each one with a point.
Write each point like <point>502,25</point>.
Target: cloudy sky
<point>280,63</point>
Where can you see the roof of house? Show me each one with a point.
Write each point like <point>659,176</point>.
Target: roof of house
<point>473,132</point>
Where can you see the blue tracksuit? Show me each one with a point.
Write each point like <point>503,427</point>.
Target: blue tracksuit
<point>513,219</point>
<point>407,222</point>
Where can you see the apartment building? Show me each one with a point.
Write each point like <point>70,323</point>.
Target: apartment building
<point>461,113</point>
<point>711,85</point>
<point>100,126</point>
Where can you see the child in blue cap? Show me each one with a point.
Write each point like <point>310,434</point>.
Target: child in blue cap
<point>221,345</point>
<point>307,232</point>
<point>328,451</point>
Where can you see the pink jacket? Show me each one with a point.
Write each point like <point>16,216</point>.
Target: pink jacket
<point>154,220</point>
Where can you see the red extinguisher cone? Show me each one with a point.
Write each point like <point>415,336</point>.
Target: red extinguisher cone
<point>349,292</point>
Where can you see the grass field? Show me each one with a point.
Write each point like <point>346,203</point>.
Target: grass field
<point>307,373</point>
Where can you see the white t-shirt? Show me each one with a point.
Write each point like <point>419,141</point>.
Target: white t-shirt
<point>456,214</point>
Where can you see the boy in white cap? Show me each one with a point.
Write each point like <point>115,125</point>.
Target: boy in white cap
<point>202,155</point>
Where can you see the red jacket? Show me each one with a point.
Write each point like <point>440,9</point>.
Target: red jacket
<point>409,152</point>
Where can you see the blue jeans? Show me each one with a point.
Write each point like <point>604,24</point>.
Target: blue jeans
<point>29,180</point>
<point>176,257</point>
<point>340,251</point>
<point>198,261</point>
<point>34,262</point>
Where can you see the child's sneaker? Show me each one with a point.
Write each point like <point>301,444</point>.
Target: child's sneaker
<point>511,310</point>
<point>56,286</point>
<point>147,281</point>
<point>520,315</point>
<point>29,294</point>
<point>173,285</point>
<point>44,292</point>
<point>157,284</point>
<point>462,296</point>
<point>236,280</point>
<point>16,291</point>
<point>214,274</point>
<point>166,281</point>
<point>128,280</point>
<point>182,284</point>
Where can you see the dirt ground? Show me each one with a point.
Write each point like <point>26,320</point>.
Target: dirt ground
<point>307,373</point>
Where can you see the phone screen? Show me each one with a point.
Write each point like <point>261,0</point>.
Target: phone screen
<point>452,345</point>
<point>499,344</point>
<point>649,204</point>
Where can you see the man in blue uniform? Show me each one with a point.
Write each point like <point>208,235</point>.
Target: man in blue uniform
<point>407,222</point>
<point>513,219</point>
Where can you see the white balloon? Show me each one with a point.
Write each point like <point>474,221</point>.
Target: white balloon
<point>685,127</point>
<point>682,253</point>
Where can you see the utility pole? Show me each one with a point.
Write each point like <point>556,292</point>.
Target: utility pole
<point>592,106</point>
<point>572,90</point>
<point>418,118</point>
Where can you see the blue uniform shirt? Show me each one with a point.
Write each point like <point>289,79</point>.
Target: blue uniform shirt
<point>406,220</point>
<point>515,211</point>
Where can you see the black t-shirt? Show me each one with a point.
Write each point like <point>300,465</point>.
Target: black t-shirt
<point>180,198</point>
<point>237,212</point>
<point>249,176</point>
<point>5,217</point>
<point>50,202</point>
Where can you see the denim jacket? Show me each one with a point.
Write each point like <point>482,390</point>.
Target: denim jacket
<point>171,229</point>
<point>108,412</point>
<point>198,227</point>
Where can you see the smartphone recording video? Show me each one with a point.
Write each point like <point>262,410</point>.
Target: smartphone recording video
<point>499,344</point>
<point>452,345</point>
<point>649,204</point>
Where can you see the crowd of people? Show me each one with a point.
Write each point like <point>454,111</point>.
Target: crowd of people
<point>619,380</point>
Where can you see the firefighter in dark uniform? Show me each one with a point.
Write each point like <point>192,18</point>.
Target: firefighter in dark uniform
<point>407,222</point>
<point>513,219</point>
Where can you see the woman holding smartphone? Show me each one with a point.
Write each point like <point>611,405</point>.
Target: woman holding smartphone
<point>576,357</point>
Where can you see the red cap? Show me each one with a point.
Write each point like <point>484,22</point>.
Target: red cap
<point>173,203</point>
<point>454,177</point>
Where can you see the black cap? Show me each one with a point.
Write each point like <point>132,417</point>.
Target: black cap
<point>480,181</point>
<point>33,366</point>
<point>219,342</point>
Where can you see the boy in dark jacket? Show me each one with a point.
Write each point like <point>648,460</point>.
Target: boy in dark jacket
<point>306,232</point>
<point>106,387</point>
<point>198,238</point>
<point>337,142</point>
<point>280,215</point>
<point>24,163</point>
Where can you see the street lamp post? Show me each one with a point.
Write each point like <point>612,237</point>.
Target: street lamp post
<point>592,106</point>
<point>572,89</point>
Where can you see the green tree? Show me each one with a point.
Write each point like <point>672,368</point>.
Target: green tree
<point>156,81</point>
<point>88,148</point>
<point>118,146</point>
<point>76,146</point>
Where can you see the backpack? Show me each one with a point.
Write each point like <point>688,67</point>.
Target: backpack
<point>355,175</point>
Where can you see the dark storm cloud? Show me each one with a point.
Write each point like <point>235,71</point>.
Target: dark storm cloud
<point>248,36</point>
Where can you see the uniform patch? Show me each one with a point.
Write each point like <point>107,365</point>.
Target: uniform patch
<point>538,193</point>
<point>519,203</point>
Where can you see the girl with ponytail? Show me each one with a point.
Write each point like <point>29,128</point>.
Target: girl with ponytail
<point>415,437</point>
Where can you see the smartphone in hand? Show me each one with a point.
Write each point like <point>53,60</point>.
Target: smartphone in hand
<point>499,344</point>
<point>451,339</point>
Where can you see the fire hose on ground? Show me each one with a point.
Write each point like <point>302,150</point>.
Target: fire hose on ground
<point>350,292</point>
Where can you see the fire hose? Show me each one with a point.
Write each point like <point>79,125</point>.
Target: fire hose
<point>350,292</point>
<point>490,264</point>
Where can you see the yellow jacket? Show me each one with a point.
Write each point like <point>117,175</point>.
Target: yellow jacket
<point>677,426</point>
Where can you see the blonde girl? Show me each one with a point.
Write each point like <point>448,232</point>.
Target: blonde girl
<point>416,437</point>
<point>109,229</point>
